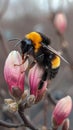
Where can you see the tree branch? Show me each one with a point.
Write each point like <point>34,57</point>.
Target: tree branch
<point>10,125</point>
<point>50,97</point>
<point>25,120</point>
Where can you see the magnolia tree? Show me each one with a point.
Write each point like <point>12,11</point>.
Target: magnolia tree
<point>21,98</point>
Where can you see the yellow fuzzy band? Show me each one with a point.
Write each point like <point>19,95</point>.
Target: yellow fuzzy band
<point>36,38</point>
<point>55,62</point>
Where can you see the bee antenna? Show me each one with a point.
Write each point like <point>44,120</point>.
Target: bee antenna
<point>14,39</point>
<point>19,41</point>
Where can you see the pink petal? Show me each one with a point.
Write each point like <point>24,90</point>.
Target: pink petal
<point>13,74</point>
<point>60,22</point>
<point>35,75</point>
<point>62,109</point>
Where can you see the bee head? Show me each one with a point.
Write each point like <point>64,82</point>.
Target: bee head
<point>26,45</point>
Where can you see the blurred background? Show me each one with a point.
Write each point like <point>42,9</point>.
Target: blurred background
<point>18,17</point>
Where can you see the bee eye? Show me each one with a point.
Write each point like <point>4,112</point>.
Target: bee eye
<point>26,41</point>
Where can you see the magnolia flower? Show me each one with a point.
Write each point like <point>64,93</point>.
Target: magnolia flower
<point>14,74</point>
<point>35,75</point>
<point>62,110</point>
<point>60,22</point>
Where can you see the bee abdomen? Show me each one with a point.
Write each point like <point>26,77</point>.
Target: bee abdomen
<point>53,72</point>
<point>55,62</point>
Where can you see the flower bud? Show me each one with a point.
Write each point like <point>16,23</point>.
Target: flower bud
<point>13,107</point>
<point>35,75</point>
<point>31,100</point>
<point>60,22</point>
<point>8,101</point>
<point>62,110</point>
<point>44,128</point>
<point>13,74</point>
<point>25,94</point>
<point>66,124</point>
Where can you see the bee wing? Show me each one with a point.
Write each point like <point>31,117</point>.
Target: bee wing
<point>55,52</point>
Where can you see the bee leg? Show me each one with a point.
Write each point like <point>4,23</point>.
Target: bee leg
<point>44,78</point>
<point>35,61</point>
<point>23,60</point>
<point>30,51</point>
<point>39,58</point>
<point>31,65</point>
<point>27,56</point>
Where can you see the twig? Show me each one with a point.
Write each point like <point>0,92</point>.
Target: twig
<point>45,111</point>
<point>25,120</point>
<point>10,125</point>
<point>54,128</point>
<point>49,96</point>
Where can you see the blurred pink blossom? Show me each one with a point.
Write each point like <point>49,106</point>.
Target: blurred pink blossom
<point>62,110</point>
<point>35,75</point>
<point>13,74</point>
<point>60,22</point>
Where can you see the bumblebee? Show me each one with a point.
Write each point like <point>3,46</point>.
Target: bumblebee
<point>37,45</point>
